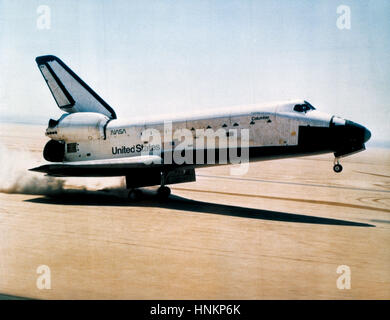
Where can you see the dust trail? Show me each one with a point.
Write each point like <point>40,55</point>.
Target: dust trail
<point>15,177</point>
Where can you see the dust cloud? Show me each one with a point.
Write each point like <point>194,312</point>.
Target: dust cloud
<point>16,178</point>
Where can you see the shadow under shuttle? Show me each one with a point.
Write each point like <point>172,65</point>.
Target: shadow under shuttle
<point>117,197</point>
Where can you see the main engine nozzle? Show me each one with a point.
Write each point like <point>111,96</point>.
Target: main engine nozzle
<point>54,151</point>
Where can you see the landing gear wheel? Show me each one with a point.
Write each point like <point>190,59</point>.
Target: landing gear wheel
<point>338,168</point>
<point>163,192</point>
<point>135,194</point>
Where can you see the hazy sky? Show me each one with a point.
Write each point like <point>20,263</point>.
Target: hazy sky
<point>165,56</point>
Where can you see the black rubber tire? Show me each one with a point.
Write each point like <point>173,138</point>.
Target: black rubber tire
<point>163,192</point>
<point>337,168</point>
<point>135,195</point>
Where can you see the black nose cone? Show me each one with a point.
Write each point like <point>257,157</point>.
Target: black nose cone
<point>367,134</point>
<point>357,133</point>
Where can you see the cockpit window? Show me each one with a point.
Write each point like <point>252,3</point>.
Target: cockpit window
<point>305,107</point>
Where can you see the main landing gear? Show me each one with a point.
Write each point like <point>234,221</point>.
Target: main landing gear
<point>135,194</point>
<point>337,166</point>
<point>163,192</point>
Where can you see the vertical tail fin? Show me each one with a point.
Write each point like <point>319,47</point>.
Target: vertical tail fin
<point>70,92</point>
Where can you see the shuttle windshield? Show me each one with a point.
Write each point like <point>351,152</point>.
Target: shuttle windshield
<point>305,107</point>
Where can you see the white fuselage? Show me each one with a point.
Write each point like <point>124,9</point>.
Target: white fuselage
<point>91,136</point>
<point>89,141</point>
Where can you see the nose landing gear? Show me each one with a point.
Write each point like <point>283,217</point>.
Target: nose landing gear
<point>337,166</point>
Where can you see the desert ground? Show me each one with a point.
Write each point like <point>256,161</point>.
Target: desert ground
<point>278,232</point>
